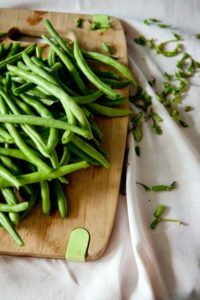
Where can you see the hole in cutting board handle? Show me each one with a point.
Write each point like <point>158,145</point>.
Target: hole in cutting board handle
<point>16,35</point>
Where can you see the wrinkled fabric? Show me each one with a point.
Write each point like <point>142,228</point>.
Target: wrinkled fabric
<point>139,263</point>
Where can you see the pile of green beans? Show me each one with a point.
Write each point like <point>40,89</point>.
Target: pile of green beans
<point>47,127</point>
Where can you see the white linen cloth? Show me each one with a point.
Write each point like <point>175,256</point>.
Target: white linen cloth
<point>161,264</point>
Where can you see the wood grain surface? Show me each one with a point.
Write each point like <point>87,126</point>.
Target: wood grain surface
<point>92,193</point>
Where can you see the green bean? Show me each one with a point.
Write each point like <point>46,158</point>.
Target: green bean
<point>67,89</point>
<point>96,130</point>
<point>4,141</point>
<point>21,65</point>
<point>111,62</point>
<point>8,163</point>
<point>89,98</point>
<point>61,199</point>
<point>47,102</point>
<point>6,48</point>
<point>91,76</point>
<point>31,155</point>
<point>38,121</point>
<point>55,164</point>
<point>13,207</point>
<point>15,153</point>
<point>6,174</point>
<point>115,84</point>
<point>45,113</point>
<point>68,103</point>
<point>10,198</point>
<point>108,111</point>
<point>49,175</point>
<point>58,38</point>
<point>13,59</point>
<point>45,197</point>
<point>106,74</point>
<point>8,82</point>
<point>23,88</point>
<point>31,204</point>
<point>54,68</point>
<point>75,150</point>
<point>23,106</point>
<point>37,69</point>
<point>108,102</point>
<point>88,149</point>
<point>69,65</point>
<point>4,221</point>
<point>17,79</point>
<point>38,51</point>
<point>14,50</point>
<point>1,50</point>
<point>7,137</point>
<point>65,157</point>
<point>29,130</point>
<point>51,57</point>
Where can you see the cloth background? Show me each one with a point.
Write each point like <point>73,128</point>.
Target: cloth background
<point>139,263</point>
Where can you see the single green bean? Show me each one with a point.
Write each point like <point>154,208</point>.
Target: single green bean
<point>111,62</point>
<point>38,121</point>
<point>15,153</point>
<point>69,65</point>
<point>61,199</point>
<point>51,57</point>
<point>6,174</point>
<point>8,82</point>
<point>106,74</point>
<point>8,163</point>
<point>96,130</point>
<point>13,207</point>
<point>31,204</point>
<point>13,59</point>
<point>58,38</point>
<point>115,84</point>
<point>4,221</point>
<point>65,157</point>
<point>108,111</point>
<point>38,51</point>
<point>89,98</point>
<point>11,198</point>
<point>23,88</point>
<point>108,102</point>
<point>91,75</point>
<point>25,108</point>
<point>21,65</point>
<point>3,133</point>
<point>45,195</point>
<point>75,150</point>
<point>5,141</point>
<point>88,149</point>
<point>41,175</point>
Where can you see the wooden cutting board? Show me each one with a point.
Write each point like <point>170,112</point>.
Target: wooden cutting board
<point>92,193</point>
